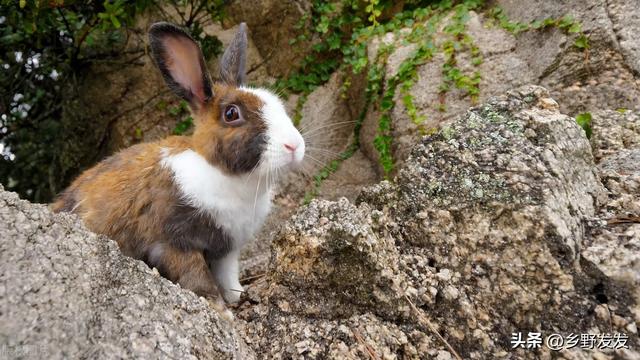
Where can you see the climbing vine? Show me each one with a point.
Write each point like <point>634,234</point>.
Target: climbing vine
<point>566,23</point>
<point>341,32</point>
<point>375,77</point>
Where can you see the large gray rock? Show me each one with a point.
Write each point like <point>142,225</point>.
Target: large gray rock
<point>613,244</point>
<point>612,247</point>
<point>626,22</point>
<point>615,21</point>
<point>614,131</point>
<point>604,77</point>
<point>68,293</point>
<point>483,231</point>
<point>328,119</point>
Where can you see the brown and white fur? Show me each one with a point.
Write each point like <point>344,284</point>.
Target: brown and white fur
<point>187,205</point>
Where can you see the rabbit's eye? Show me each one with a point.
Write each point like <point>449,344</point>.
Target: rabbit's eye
<point>232,115</point>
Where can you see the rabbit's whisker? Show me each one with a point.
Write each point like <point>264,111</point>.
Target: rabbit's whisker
<point>324,151</point>
<point>331,126</point>
<point>317,140</point>
<point>252,170</point>
<point>322,164</point>
<point>255,199</point>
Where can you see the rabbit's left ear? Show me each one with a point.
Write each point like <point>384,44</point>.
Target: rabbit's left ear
<point>181,62</point>
<point>234,59</point>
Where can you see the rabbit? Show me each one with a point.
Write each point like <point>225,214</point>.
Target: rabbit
<point>188,204</point>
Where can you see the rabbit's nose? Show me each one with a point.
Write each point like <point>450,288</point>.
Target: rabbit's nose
<point>291,147</point>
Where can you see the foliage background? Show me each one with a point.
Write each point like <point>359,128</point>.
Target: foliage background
<point>47,51</point>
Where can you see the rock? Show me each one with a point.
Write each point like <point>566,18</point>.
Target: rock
<point>327,122</point>
<point>483,231</point>
<point>333,262</point>
<point>607,76</point>
<point>612,247</point>
<point>500,209</point>
<point>352,175</point>
<point>617,20</point>
<point>620,173</point>
<point>273,24</point>
<point>357,337</point>
<point>613,131</point>
<point>604,77</point>
<point>625,19</point>
<point>69,293</point>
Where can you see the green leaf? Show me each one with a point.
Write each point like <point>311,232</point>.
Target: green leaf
<point>582,42</point>
<point>566,21</point>
<point>537,24</point>
<point>23,3</point>
<point>386,104</point>
<point>575,28</point>
<point>115,21</point>
<point>584,120</point>
<point>334,42</point>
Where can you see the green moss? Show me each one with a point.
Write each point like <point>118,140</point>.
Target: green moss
<point>515,126</point>
<point>406,76</point>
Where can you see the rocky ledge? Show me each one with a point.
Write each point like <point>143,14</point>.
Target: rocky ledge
<point>66,293</point>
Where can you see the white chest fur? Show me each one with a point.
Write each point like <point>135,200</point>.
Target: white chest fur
<point>238,204</point>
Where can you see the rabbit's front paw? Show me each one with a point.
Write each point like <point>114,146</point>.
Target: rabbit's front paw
<point>232,294</point>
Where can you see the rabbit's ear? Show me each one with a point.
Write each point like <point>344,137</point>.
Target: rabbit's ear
<point>234,59</point>
<point>181,62</point>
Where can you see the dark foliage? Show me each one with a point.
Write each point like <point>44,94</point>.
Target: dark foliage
<point>47,49</point>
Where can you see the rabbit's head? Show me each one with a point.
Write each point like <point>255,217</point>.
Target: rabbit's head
<point>239,129</point>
